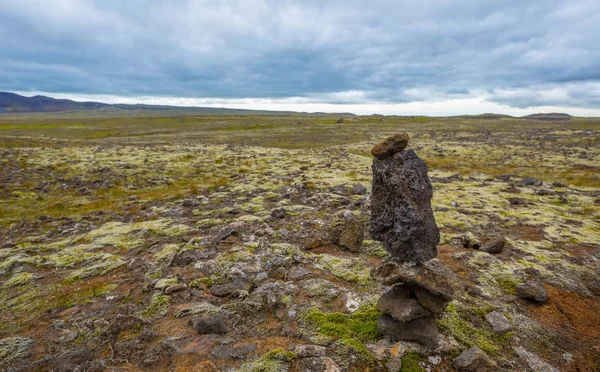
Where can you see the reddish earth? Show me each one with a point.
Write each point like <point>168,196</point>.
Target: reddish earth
<point>575,321</point>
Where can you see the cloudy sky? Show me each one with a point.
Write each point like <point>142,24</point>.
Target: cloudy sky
<point>430,57</point>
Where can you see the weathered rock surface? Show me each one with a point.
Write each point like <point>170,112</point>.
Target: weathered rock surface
<point>431,275</point>
<point>320,364</point>
<point>533,288</point>
<point>309,351</point>
<point>422,330</point>
<point>211,325</point>
<point>390,146</point>
<point>401,214</point>
<point>498,321</point>
<point>534,362</point>
<point>474,359</point>
<point>347,231</point>
<point>397,303</point>
<point>494,246</point>
<point>432,302</point>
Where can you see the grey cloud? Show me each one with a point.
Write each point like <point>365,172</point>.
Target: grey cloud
<point>392,51</point>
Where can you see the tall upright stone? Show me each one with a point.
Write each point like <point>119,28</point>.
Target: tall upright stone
<point>402,219</point>
<point>401,214</point>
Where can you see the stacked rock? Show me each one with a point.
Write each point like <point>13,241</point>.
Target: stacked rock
<point>402,219</point>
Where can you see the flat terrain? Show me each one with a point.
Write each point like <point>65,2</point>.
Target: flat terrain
<point>119,231</point>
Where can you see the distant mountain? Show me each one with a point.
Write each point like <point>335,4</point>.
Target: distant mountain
<point>549,116</point>
<point>11,102</point>
<point>14,103</point>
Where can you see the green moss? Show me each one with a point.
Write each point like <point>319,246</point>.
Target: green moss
<point>351,270</point>
<point>411,362</point>
<point>159,306</point>
<point>202,309</point>
<point>453,323</point>
<point>273,361</point>
<point>351,329</point>
<point>507,281</point>
<point>19,279</point>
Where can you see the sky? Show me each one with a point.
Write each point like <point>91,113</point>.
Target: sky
<point>410,57</point>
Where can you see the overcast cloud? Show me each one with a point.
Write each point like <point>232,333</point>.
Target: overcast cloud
<point>440,57</point>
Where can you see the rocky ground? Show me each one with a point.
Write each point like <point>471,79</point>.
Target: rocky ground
<point>153,250</point>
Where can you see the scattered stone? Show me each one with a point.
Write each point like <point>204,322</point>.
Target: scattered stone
<point>278,213</point>
<point>397,303</point>
<point>533,287</point>
<point>320,364</point>
<point>390,146</point>
<point>431,275</point>
<point>211,325</point>
<point>230,352</point>
<point>299,272</point>
<point>465,241</point>
<point>535,362</point>
<point>474,359</point>
<point>347,231</point>
<point>528,181</point>
<point>494,246</point>
<point>359,189</point>
<point>68,361</point>
<point>394,364</point>
<point>308,351</point>
<point>422,330</point>
<point>279,273</point>
<point>224,290</point>
<point>401,214</point>
<point>175,288</point>
<point>498,321</point>
<point>189,203</point>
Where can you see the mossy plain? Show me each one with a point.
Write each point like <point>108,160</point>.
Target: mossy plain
<point>91,219</point>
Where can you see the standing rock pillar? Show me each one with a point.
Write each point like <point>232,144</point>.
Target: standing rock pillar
<point>402,219</point>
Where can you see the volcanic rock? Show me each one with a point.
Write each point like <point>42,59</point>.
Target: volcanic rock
<point>431,275</point>
<point>494,246</point>
<point>422,330</point>
<point>390,146</point>
<point>474,359</point>
<point>401,214</point>
<point>397,303</point>
<point>498,322</point>
<point>212,325</point>
<point>347,231</point>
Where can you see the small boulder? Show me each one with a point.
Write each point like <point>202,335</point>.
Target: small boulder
<point>359,189</point>
<point>347,231</point>
<point>474,359</point>
<point>175,288</point>
<point>390,146</point>
<point>533,290</point>
<point>431,275</point>
<point>499,322</point>
<point>435,303</point>
<point>422,330</point>
<point>494,246</point>
<point>278,213</point>
<point>535,362</point>
<point>211,325</point>
<point>320,364</point>
<point>229,352</point>
<point>224,290</point>
<point>397,303</point>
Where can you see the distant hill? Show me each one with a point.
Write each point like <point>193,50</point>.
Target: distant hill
<point>14,103</point>
<point>549,116</point>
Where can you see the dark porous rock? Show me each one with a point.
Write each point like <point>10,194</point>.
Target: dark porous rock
<point>532,287</point>
<point>188,203</point>
<point>68,361</point>
<point>308,351</point>
<point>397,302</point>
<point>533,290</point>
<point>211,325</point>
<point>498,322</point>
<point>278,213</point>
<point>435,303</point>
<point>319,364</point>
<point>347,231</point>
<point>401,214</point>
<point>359,189</point>
<point>528,181</point>
<point>494,246</point>
<point>422,330</point>
<point>230,352</point>
<point>390,146</point>
<point>474,359</point>
<point>431,275</point>
<point>233,288</point>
